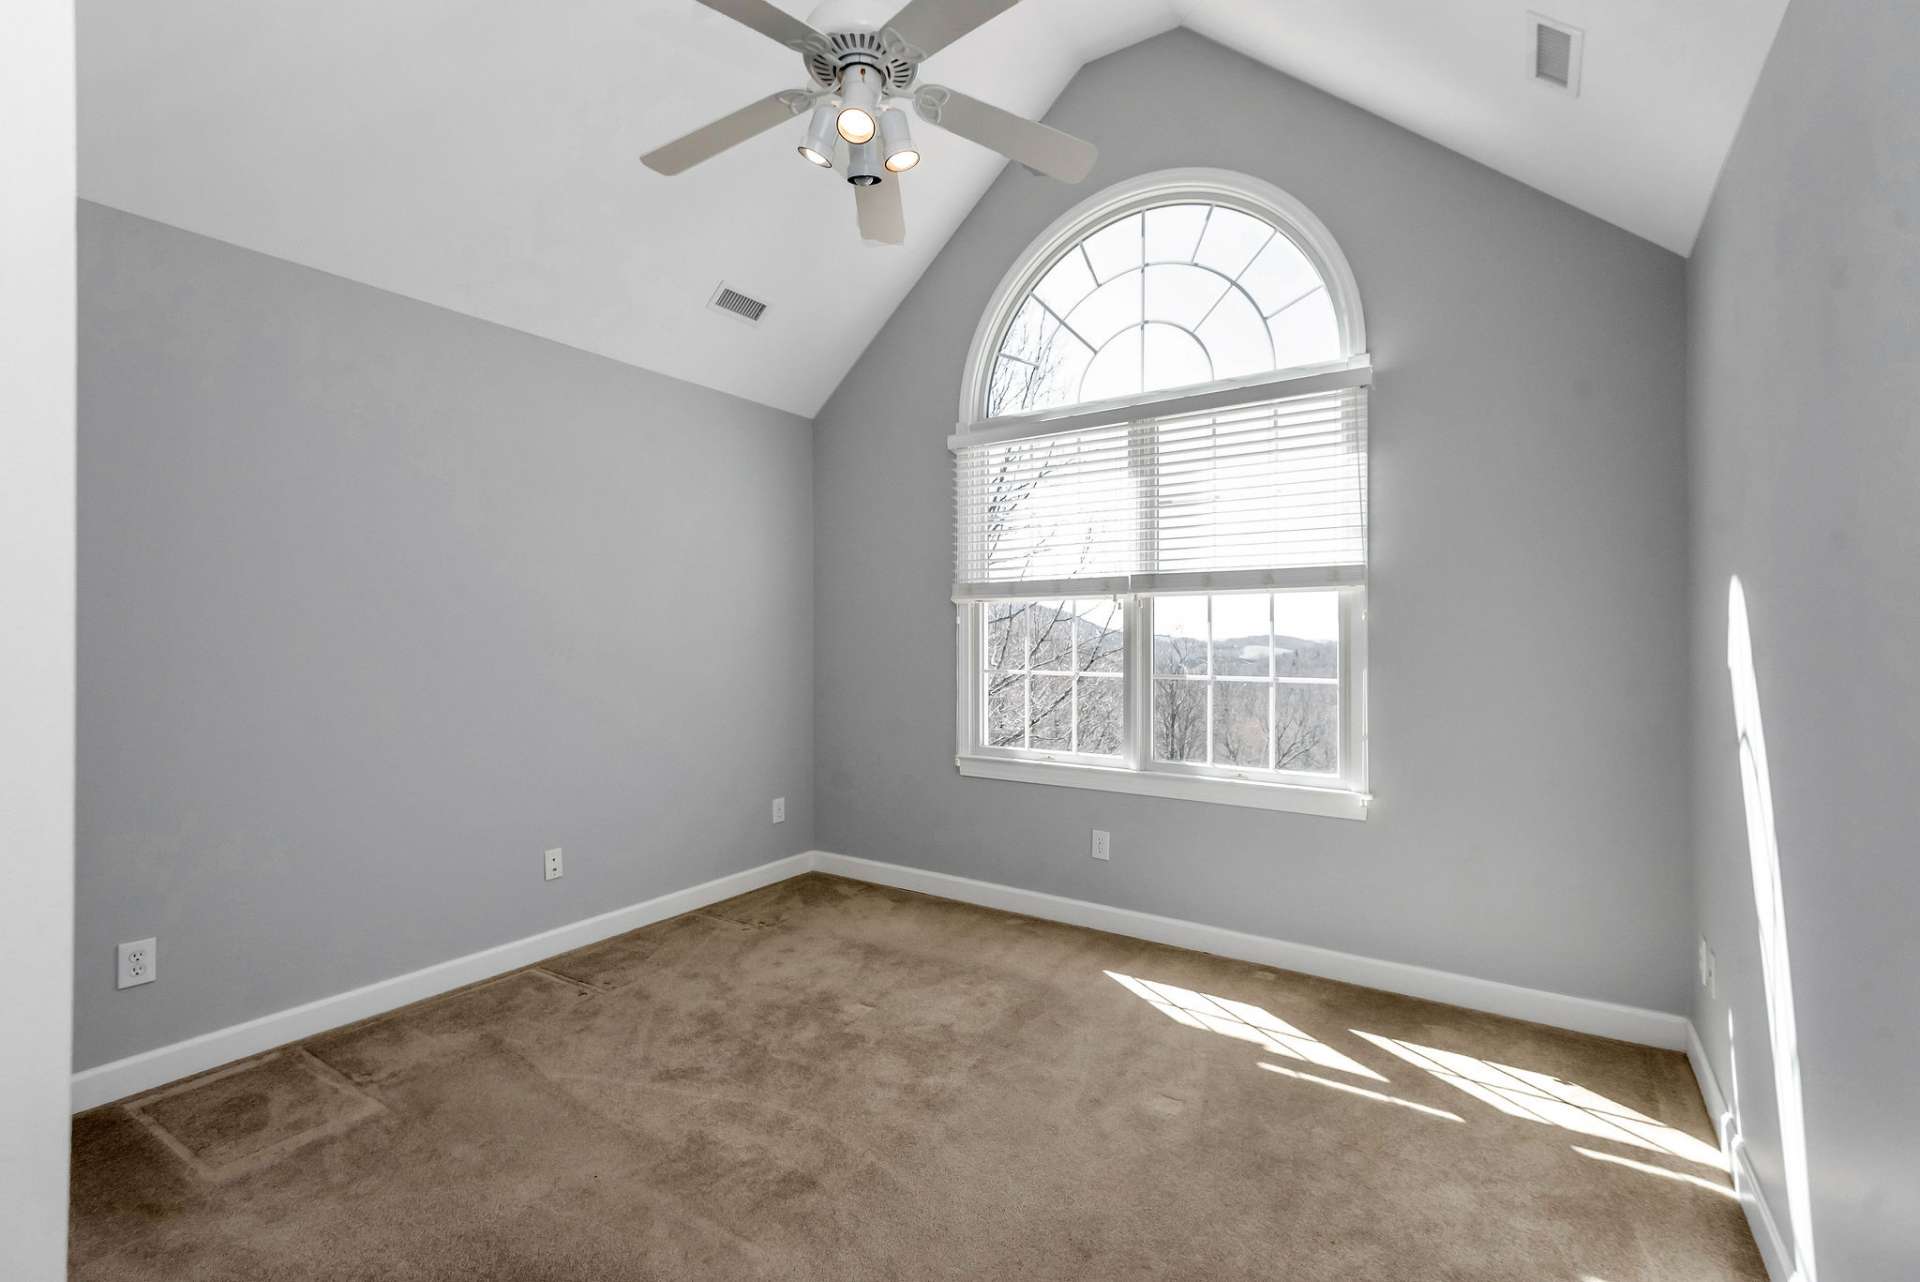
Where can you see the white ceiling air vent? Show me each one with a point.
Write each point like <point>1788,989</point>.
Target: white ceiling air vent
<point>1553,53</point>
<point>737,305</point>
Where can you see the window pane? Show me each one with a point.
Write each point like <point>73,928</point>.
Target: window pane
<point>1236,338</point>
<point>1174,358</point>
<point>1231,241</point>
<point>1111,309</point>
<point>1063,365</point>
<point>1027,332</point>
<point>1098,718</point>
<point>1240,640</point>
<point>1052,675</point>
<point>1051,714</point>
<point>1240,723</point>
<point>1115,248</point>
<point>1180,720</point>
<point>1306,627</point>
<point>1066,283</point>
<point>1010,388</point>
<point>1182,295</point>
<point>1116,371</point>
<point>1306,333</point>
<point>1051,623</point>
<point>1101,636</point>
<point>1006,710</point>
<point>1173,232</point>
<point>1006,636</point>
<point>1306,731</point>
<point>1180,634</point>
<point>1279,275</point>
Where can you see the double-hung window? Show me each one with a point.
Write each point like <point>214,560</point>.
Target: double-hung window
<point>1160,491</point>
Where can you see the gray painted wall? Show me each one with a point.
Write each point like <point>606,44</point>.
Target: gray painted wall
<point>1528,606</point>
<point>1805,441</point>
<point>378,602</point>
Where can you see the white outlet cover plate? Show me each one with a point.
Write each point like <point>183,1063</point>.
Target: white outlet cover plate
<point>556,864</point>
<point>779,810</point>
<point>1102,845</point>
<point>137,963</point>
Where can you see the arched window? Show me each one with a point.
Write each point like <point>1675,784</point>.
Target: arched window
<point>1177,294</point>
<point>1161,504</point>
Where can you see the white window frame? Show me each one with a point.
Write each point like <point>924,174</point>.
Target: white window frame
<point>1343,795</point>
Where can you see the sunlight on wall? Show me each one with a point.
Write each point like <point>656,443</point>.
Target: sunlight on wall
<point>1239,1020</point>
<point>1538,1097</point>
<point>1770,910</point>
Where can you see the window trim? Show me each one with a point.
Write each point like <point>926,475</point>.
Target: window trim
<point>1331,803</point>
<point>1346,797</point>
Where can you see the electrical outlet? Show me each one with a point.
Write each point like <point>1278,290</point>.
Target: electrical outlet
<point>1707,967</point>
<point>139,963</point>
<point>1102,845</point>
<point>554,866</point>
<point>779,810</point>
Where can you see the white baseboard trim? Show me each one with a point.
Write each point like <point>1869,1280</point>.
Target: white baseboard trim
<point>143,1072</point>
<point>1710,1093</point>
<point>136,1073</point>
<point>1766,1233</point>
<point>1581,1014</point>
<point>1746,1182</point>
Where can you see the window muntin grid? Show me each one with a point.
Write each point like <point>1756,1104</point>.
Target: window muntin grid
<point>1169,296</point>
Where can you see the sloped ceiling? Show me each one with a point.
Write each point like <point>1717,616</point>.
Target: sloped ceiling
<point>481,154</point>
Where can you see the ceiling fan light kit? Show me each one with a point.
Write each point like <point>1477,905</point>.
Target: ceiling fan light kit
<point>857,59</point>
<point>863,163</point>
<point>896,141</point>
<point>822,128</point>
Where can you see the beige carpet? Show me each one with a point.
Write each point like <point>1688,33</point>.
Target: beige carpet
<point>828,1080</point>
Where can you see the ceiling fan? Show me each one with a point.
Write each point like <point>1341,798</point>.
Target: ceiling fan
<point>858,62</point>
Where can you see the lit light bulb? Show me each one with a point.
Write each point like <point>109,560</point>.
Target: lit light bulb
<point>817,146</point>
<point>859,99</point>
<point>896,141</point>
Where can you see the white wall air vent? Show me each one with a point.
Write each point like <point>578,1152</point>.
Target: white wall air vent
<point>1553,53</point>
<point>737,305</point>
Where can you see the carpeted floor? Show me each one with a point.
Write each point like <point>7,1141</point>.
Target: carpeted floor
<point>829,1080</point>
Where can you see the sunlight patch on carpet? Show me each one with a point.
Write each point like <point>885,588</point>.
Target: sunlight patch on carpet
<point>1242,1021</point>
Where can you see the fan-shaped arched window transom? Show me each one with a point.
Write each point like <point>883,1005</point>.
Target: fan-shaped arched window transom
<point>1175,281</point>
<point>1169,296</point>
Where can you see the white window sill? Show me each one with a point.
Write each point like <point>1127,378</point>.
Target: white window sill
<point>1332,803</point>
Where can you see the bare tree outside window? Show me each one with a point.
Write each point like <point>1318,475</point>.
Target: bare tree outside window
<point>1234,688</point>
<point>1054,675</point>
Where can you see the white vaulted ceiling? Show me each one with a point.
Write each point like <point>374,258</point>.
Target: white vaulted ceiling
<point>482,154</point>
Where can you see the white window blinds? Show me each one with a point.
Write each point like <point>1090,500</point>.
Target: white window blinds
<point>1258,485</point>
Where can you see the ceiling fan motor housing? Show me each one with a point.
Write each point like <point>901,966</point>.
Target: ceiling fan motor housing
<point>885,53</point>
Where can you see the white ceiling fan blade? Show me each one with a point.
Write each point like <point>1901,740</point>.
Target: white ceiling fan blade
<point>729,131</point>
<point>929,26</point>
<point>1034,145</point>
<point>882,221</point>
<point>774,23</point>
